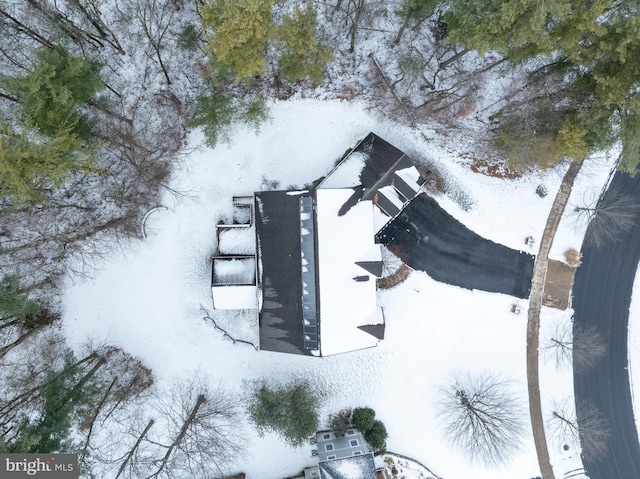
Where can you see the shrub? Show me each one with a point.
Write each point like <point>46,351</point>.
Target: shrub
<point>542,191</point>
<point>188,38</point>
<point>363,418</point>
<point>339,422</point>
<point>289,410</point>
<point>573,257</point>
<point>377,435</point>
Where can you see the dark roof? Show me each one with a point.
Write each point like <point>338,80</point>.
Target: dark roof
<point>373,267</point>
<point>381,157</point>
<point>360,467</point>
<point>277,220</point>
<point>375,330</point>
<point>382,160</point>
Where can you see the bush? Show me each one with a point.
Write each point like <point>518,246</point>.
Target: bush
<point>573,257</point>
<point>542,191</point>
<point>363,418</point>
<point>339,422</point>
<point>377,435</point>
<point>188,38</point>
<point>289,410</point>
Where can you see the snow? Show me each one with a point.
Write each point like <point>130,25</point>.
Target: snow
<point>390,193</point>
<point>234,297</point>
<point>357,467</point>
<point>347,173</point>
<point>237,240</point>
<point>234,271</point>
<point>148,299</point>
<point>633,345</point>
<point>380,219</point>
<point>345,304</point>
<point>411,177</point>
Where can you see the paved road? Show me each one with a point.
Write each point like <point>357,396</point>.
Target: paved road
<point>429,239</point>
<point>601,297</point>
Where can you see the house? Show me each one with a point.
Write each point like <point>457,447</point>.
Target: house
<point>342,456</point>
<point>311,275</point>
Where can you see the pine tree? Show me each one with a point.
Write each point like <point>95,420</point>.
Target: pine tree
<point>301,56</point>
<point>15,307</point>
<point>363,418</point>
<point>289,410</point>
<point>64,392</point>
<point>51,93</point>
<point>216,113</point>
<point>513,28</point>
<point>238,33</point>
<point>31,163</point>
<point>46,143</point>
<point>593,61</point>
<point>377,435</point>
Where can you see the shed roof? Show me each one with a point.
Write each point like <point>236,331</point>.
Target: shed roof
<point>236,239</point>
<point>233,271</point>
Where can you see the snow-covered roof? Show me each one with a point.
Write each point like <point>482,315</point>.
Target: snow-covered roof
<point>234,271</point>
<point>356,467</point>
<point>345,303</point>
<point>391,194</point>
<point>234,297</point>
<point>347,173</point>
<point>410,175</point>
<point>370,165</point>
<point>380,219</point>
<point>236,240</point>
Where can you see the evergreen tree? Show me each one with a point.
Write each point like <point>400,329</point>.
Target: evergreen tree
<point>238,33</point>
<point>64,393</point>
<point>592,53</point>
<point>31,163</point>
<point>377,435</point>
<point>418,9</point>
<point>301,56</point>
<point>289,410</point>
<point>514,28</point>
<point>363,418</point>
<point>51,93</point>
<point>47,141</point>
<point>243,35</point>
<point>15,307</point>
<point>216,113</point>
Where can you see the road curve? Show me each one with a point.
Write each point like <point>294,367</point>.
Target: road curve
<point>601,297</point>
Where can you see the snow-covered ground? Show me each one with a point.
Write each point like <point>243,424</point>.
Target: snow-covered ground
<point>634,348</point>
<point>148,299</point>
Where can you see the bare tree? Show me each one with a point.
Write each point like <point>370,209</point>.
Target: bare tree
<point>613,214</point>
<point>482,417</point>
<point>580,425</point>
<point>203,427</point>
<point>354,15</point>
<point>576,345</point>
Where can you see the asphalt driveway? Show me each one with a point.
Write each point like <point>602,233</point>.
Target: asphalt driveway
<point>429,239</point>
<point>601,297</point>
